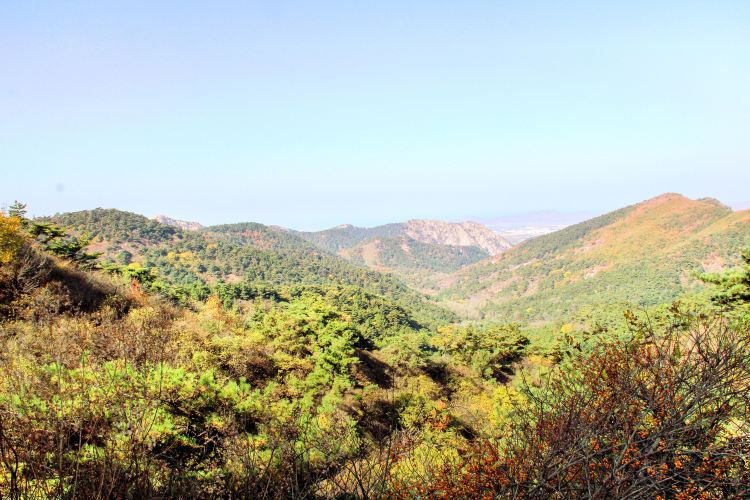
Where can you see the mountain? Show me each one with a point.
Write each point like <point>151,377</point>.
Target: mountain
<point>233,253</point>
<point>463,234</point>
<point>417,251</point>
<point>414,262</point>
<point>181,224</point>
<point>645,254</point>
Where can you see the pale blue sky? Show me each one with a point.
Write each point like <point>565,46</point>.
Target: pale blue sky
<point>311,114</point>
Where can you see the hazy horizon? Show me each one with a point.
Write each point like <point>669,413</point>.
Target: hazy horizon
<point>312,116</point>
<point>500,222</point>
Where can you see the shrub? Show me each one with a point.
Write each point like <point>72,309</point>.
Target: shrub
<point>664,413</point>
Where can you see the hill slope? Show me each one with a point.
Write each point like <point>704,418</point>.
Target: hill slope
<point>420,252</point>
<point>233,253</point>
<point>417,251</point>
<point>134,396</point>
<point>646,254</point>
<point>407,254</point>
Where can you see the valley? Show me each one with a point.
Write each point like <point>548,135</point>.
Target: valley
<point>465,268</point>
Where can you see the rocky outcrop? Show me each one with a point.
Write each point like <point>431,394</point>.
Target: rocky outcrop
<point>181,224</point>
<point>464,234</point>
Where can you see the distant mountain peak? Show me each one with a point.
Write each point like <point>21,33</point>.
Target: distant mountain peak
<point>180,224</point>
<point>668,196</point>
<point>678,202</point>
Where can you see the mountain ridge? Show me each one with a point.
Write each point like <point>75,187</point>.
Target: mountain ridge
<point>417,250</point>
<point>232,253</point>
<point>467,233</point>
<point>663,242</point>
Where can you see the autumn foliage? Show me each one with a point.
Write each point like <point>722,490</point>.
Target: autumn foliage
<point>664,413</point>
<point>114,384</point>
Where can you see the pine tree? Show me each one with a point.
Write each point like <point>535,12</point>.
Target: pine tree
<point>734,286</point>
<point>17,209</point>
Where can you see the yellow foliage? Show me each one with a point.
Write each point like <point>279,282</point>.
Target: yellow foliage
<point>436,448</point>
<point>187,257</point>
<point>445,338</point>
<point>212,308</point>
<point>11,239</point>
<point>503,399</point>
<point>567,328</point>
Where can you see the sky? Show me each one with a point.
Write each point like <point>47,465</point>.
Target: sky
<point>312,114</point>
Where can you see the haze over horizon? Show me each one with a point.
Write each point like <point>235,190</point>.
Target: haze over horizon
<point>311,116</point>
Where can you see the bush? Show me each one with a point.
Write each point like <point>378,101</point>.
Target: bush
<point>664,413</point>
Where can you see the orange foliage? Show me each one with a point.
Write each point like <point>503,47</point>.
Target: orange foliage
<point>658,415</point>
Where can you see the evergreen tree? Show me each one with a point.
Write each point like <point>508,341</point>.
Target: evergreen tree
<point>734,286</point>
<point>17,209</point>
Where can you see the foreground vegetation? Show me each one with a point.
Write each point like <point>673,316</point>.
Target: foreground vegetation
<point>116,381</point>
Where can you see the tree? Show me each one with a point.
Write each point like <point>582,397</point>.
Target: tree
<point>664,413</point>
<point>11,238</point>
<point>57,241</point>
<point>17,209</point>
<point>734,286</point>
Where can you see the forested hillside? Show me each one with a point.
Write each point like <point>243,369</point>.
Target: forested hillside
<point>420,265</point>
<point>115,383</point>
<point>417,251</point>
<point>405,254</point>
<point>238,253</point>
<point>645,254</point>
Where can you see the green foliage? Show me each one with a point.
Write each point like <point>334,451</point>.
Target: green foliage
<point>17,209</point>
<point>52,238</point>
<point>72,248</point>
<point>347,236</point>
<point>254,384</point>
<point>116,225</point>
<point>189,262</point>
<point>406,254</point>
<point>490,349</point>
<point>46,232</point>
<point>542,246</point>
<point>276,370</point>
<point>734,285</point>
<point>149,279</point>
